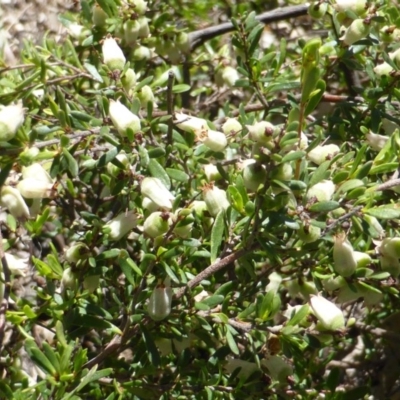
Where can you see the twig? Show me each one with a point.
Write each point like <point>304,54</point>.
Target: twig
<point>197,38</point>
<point>344,217</point>
<point>212,269</point>
<point>379,332</point>
<point>6,283</point>
<point>170,107</point>
<point>388,185</point>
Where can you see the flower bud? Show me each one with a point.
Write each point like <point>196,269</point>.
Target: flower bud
<point>139,6</point>
<point>113,56</point>
<point>323,191</point>
<point>68,280</point>
<point>17,266</point>
<point>390,247</point>
<point>211,172</point>
<point>37,172</point>
<point>149,204</point>
<point>159,306</point>
<point>141,53</point>
<point>229,76</point>
<point>215,199</point>
<point>356,31</point>
<point>123,118</point>
<point>383,69</point>
<point>155,190</point>
<point>254,175</point>
<point>317,10</point>
<point>359,7</point>
<point>309,233</point>
<point>131,31</point>
<point>144,30</point>
<point>183,42</point>
<point>184,226</point>
<point>284,172</point>
<point>344,260</point>
<point>76,252</point>
<point>390,264</point>
<point>91,283</point>
<point>129,80</point>
<point>156,224</point>
<point>11,119</point>
<point>32,188</point>
<point>145,96</point>
<point>113,170</point>
<point>261,132</point>
<point>99,16</point>
<point>190,124</point>
<point>375,228</point>
<point>121,225</point>
<point>331,284</point>
<point>363,259</point>
<point>319,154</point>
<point>327,313</point>
<point>231,126</point>
<point>11,199</point>
<point>377,142</point>
<point>215,141</point>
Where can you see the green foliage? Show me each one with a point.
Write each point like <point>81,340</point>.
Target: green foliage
<point>212,176</point>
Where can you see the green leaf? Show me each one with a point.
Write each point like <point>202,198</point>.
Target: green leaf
<point>316,97</point>
<point>181,88</point>
<point>383,212</point>
<point>299,315</point>
<point>157,171</point>
<point>384,168</point>
<point>51,356</point>
<point>231,341</point>
<point>177,174</point>
<point>235,199</point>
<point>225,288</point>
<point>324,206</point>
<point>217,233</point>
<point>93,71</point>
<point>213,300</point>
<point>129,269</point>
<point>295,155</point>
<point>320,173</point>
<point>4,173</point>
<point>152,351</point>
<point>71,162</point>
<point>349,185</point>
<point>39,358</point>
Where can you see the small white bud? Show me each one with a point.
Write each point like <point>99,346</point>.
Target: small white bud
<point>261,132</point>
<point>216,141</point>
<point>129,80</point>
<point>76,252</point>
<point>215,199</point>
<point>383,69</point>
<point>323,191</point>
<point>156,224</point>
<point>319,154</point>
<point>113,56</point>
<point>11,199</point>
<point>155,190</point>
<point>330,316</point>
<point>211,172</point>
<point>122,224</point>
<point>17,265</point>
<point>229,76</point>
<point>231,126</point>
<point>139,6</point>
<point>190,124</point>
<point>37,172</point>
<point>131,31</point>
<point>159,306</point>
<point>344,259</point>
<point>356,31</point>
<point>377,142</point>
<point>11,119</point>
<point>357,6</point>
<point>123,118</point>
<point>32,188</point>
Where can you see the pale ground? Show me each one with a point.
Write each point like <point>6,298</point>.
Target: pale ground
<point>29,19</point>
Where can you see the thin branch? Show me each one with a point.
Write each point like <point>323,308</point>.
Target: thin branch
<point>170,106</point>
<point>212,269</point>
<point>6,283</point>
<point>197,38</point>
<point>388,185</point>
<point>344,217</point>
<point>378,332</point>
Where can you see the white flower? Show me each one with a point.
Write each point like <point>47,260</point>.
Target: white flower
<point>261,132</point>
<point>32,188</point>
<point>11,199</point>
<point>319,154</point>
<point>344,259</point>
<point>357,6</point>
<point>36,171</point>
<point>156,224</point>
<point>330,316</point>
<point>155,190</point>
<point>211,172</point>
<point>11,119</point>
<point>113,56</point>
<point>216,141</point>
<point>215,199</point>
<point>121,225</point>
<point>231,126</point>
<point>377,142</point>
<point>17,265</point>
<point>123,118</point>
<point>323,191</point>
<point>355,32</point>
<point>229,76</point>
<point>190,124</point>
<point>159,306</point>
